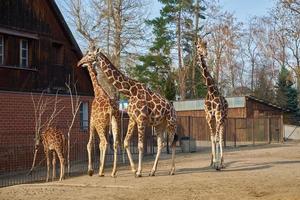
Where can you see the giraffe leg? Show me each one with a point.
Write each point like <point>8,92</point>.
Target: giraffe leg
<point>48,164</point>
<point>213,151</point>
<point>221,147</point>
<point>173,145</point>
<point>129,133</point>
<point>141,132</point>
<point>160,145</point>
<point>218,145</point>
<point>62,165</point>
<point>102,147</point>
<point>212,139</point>
<point>115,130</point>
<point>53,165</point>
<point>89,150</point>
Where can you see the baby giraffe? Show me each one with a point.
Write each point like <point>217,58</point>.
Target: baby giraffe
<point>103,112</point>
<point>53,140</point>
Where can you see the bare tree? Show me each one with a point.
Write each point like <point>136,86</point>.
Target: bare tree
<point>117,26</point>
<point>293,5</point>
<point>75,105</point>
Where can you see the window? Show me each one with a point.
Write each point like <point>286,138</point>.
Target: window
<point>23,53</point>
<point>84,116</point>
<point>1,50</point>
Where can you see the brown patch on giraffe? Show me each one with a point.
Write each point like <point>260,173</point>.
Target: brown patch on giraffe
<point>156,100</point>
<point>148,97</point>
<point>118,85</point>
<point>158,107</point>
<point>151,105</point>
<point>168,106</point>
<point>115,74</point>
<point>134,91</point>
<point>109,73</point>
<point>126,85</point>
<point>140,104</point>
<point>139,86</point>
<point>140,95</point>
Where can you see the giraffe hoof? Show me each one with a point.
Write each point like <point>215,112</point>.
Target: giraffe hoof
<point>152,173</point>
<point>137,175</point>
<point>101,175</point>
<point>90,172</point>
<point>113,175</point>
<point>172,172</point>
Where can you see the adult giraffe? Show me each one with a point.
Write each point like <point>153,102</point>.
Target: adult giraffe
<point>216,108</point>
<point>145,108</point>
<point>104,111</point>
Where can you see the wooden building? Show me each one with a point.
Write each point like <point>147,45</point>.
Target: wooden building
<point>250,120</point>
<point>38,53</point>
<point>37,49</point>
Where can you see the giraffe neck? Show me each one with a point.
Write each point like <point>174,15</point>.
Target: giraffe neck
<point>121,82</point>
<point>98,91</point>
<point>209,81</point>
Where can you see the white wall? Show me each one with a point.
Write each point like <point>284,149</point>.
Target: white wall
<point>288,129</point>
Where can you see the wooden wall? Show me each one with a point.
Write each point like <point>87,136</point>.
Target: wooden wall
<point>48,66</point>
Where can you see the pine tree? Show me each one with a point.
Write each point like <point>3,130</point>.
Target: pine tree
<point>286,94</point>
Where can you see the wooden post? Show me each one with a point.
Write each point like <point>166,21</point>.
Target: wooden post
<point>252,132</point>
<point>281,129</point>
<point>225,133</point>
<point>189,122</point>
<point>268,130</point>
<point>234,132</point>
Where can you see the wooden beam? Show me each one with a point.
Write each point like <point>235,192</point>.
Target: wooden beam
<point>18,33</point>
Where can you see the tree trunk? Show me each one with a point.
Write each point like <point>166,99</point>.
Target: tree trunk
<point>117,16</point>
<point>109,15</point>
<point>182,86</point>
<point>194,62</point>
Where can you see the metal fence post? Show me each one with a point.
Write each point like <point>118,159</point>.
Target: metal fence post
<point>268,130</point>
<point>234,133</point>
<point>252,132</point>
<point>189,122</point>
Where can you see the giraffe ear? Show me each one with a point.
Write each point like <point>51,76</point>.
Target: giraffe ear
<point>98,50</point>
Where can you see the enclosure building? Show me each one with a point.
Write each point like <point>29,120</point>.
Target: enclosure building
<point>38,54</point>
<point>250,120</point>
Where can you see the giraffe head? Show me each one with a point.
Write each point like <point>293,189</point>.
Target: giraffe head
<point>201,46</point>
<point>89,57</point>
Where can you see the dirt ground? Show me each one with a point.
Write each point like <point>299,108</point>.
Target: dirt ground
<point>264,172</point>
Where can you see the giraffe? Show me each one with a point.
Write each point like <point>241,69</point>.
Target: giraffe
<point>216,108</point>
<point>52,140</point>
<point>145,107</point>
<point>103,112</point>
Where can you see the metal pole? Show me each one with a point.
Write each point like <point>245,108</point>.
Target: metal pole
<point>189,125</point>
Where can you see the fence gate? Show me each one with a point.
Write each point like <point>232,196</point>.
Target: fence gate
<point>275,129</point>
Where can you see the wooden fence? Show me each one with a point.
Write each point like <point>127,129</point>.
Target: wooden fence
<point>238,131</point>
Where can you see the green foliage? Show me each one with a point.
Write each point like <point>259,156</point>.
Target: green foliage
<point>154,68</point>
<point>263,89</point>
<point>170,88</point>
<point>286,94</point>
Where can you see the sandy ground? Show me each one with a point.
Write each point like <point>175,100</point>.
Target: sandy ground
<point>265,172</point>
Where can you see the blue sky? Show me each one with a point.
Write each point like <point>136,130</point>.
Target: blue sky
<point>243,9</point>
